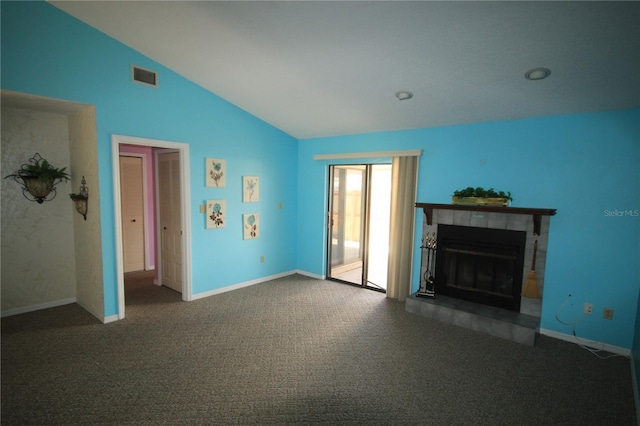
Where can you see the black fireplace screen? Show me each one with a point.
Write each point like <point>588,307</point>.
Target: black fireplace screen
<point>481,265</point>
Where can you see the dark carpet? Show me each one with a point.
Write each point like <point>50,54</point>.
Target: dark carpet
<point>293,351</point>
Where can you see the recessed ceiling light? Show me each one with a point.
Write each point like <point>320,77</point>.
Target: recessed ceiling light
<point>404,95</point>
<point>537,74</point>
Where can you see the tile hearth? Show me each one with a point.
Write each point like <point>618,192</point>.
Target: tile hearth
<point>518,327</point>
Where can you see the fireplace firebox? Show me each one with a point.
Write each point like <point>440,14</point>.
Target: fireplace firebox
<point>482,265</point>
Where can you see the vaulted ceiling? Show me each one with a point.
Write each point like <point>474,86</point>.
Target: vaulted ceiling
<point>329,68</point>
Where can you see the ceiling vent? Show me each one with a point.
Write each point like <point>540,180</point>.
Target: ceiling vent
<point>144,76</point>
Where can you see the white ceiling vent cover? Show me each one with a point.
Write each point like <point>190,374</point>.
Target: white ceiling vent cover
<point>144,76</point>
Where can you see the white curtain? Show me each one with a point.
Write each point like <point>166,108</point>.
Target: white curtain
<point>403,198</point>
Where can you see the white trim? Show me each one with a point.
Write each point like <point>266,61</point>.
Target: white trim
<point>110,318</point>
<point>38,307</point>
<point>241,285</point>
<point>349,155</point>
<point>183,148</point>
<point>591,344</point>
<point>310,275</point>
<point>117,210</point>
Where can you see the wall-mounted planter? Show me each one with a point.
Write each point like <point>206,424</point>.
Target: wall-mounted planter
<point>81,200</point>
<point>39,188</point>
<point>39,179</point>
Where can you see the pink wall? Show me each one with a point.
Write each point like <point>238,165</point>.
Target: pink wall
<point>150,220</point>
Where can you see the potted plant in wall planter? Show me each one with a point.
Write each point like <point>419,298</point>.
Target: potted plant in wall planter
<point>481,197</point>
<point>39,178</point>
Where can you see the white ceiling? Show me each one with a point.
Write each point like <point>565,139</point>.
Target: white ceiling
<point>318,69</point>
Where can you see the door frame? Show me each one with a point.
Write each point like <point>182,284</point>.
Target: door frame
<point>183,148</point>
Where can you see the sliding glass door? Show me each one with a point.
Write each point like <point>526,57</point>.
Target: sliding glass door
<point>346,224</point>
<point>359,204</point>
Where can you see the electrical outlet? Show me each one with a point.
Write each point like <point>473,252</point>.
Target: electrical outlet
<point>261,259</point>
<point>608,313</point>
<point>203,208</point>
<point>588,309</point>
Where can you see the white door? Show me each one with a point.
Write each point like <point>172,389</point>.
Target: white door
<point>170,219</point>
<point>131,193</point>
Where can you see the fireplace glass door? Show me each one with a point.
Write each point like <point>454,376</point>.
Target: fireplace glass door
<point>480,265</point>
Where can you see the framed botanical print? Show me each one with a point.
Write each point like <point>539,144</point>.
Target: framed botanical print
<point>216,214</point>
<point>215,170</point>
<point>250,189</point>
<point>251,225</point>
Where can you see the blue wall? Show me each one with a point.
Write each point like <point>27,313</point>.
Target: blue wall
<point>49,53</point>
<point>587,166</point>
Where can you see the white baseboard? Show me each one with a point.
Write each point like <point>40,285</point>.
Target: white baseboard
<point>110,318</point>
<point>113,318</point>
<point>310,275</point>
<point>589,343</point>
<point>240,285</point>
<point>38,307</point>
<point>100,318</point>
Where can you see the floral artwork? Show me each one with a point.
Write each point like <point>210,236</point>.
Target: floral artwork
<point>216,212</point>
<point>215,172</point>
<point>250,189</point>
<point>251,225</point>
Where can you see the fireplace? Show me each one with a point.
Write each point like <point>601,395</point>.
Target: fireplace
<point>482,265</point>
<point>482,253</point>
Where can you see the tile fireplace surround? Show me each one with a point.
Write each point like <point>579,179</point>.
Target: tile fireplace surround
<point>520,327</point>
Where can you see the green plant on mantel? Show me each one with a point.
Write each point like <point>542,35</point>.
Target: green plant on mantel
<point>480,192</point>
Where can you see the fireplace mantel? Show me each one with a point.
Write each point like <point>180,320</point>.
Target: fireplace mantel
<point>534,212</point>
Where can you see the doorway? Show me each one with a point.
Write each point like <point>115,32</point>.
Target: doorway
<point>181,175</point>
<point>359,214</point>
